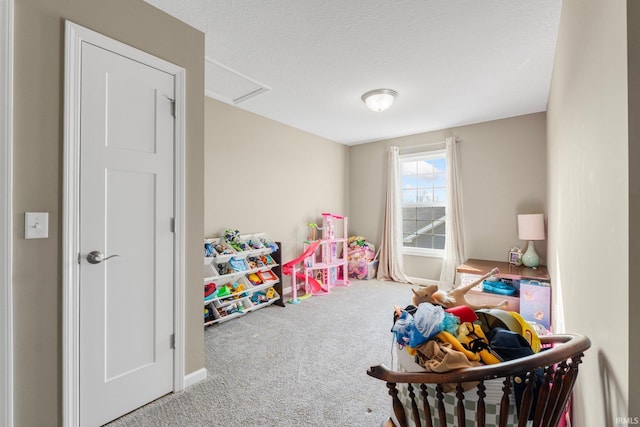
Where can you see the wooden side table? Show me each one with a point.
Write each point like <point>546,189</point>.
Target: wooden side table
<point>507,271</point>
<point>473,269</point>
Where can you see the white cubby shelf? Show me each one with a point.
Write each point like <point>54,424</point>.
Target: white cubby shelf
<point>252,277</point>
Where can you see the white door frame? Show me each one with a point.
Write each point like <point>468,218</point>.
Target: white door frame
<point>6,212</point>
<point>74,37</point>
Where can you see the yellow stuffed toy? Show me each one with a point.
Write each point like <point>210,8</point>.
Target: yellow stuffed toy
<point>472,342</point>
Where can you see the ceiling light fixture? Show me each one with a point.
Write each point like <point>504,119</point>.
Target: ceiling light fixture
<point>379,99</point>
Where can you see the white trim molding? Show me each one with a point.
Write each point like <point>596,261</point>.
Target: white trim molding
<point>6,212</point>
<point>195,377</point>
<point>75,36</point>
<point>179,248</point>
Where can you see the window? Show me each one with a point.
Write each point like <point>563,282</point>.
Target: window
<point>424,201</point>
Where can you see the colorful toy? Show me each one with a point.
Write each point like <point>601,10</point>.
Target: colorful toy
<point>208,250</point>
<point>359,248</point>
<point>268,244</point>
<point>209,291</point>
<point>358,269</point>
<point>232,237</point>
<point>267,260</point>
<point>267,276</point>
<point>254,279</point>
<point>223,291</point>
<point>216,248</point>
<point>238,288</point>
<point>222,249</point>
<point>291,269</point>
<point>329,265</point>
<point>224,268</point>
<point>255,244</point>
<point>313,227</point>
<point>234,308</point>
<point>208,314</point>
<point>255,262</point>
<point>238,264</point>
<point>259,297</point>
<point>331,261</point>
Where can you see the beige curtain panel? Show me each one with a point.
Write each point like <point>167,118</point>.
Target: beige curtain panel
<point>391,262</point>
<point>454,252</point>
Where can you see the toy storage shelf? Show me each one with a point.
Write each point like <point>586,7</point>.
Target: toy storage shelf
<point>256,272</point>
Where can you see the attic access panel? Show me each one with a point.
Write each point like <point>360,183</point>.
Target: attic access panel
<point>228,85</point>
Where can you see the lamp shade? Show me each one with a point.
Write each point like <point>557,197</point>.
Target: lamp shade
<point>379,99</point>
<point>531,227</point>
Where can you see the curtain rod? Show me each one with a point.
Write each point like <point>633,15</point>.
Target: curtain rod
<point>426,145</point>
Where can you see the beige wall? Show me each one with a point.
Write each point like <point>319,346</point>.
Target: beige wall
<point>263,176</point>
<point>588,200</point>
<point>38,129</point>
<point>503,166</point>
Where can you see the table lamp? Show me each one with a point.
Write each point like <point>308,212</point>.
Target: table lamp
<point>531,227</point>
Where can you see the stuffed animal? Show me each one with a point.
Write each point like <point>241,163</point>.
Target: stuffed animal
<point>232,237</point>
<point>454,297</point>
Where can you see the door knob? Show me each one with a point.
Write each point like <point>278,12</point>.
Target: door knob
<point>96,257</point>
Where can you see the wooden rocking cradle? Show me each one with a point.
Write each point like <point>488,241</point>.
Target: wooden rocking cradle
<point>421,394</point>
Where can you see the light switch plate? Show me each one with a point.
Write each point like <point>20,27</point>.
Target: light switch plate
<point>36,225</point>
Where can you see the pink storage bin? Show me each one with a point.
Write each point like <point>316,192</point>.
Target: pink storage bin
<point>362,269</point>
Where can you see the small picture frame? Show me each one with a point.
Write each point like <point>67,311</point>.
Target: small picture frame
<point>515,256</point>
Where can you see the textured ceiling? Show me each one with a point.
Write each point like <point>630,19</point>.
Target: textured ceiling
<point>452,62</point>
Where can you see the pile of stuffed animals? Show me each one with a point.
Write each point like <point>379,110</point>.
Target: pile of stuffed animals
<point>358,248</point>
<point>445,332</point>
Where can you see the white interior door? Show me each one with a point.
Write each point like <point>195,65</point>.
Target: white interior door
<point>126,214</point>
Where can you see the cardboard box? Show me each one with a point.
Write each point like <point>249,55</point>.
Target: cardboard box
<point>535,302</point>
<point>467,279</point>
<point>361,269</point>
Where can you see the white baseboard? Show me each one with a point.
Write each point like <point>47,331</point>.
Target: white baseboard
<point>195,377</point>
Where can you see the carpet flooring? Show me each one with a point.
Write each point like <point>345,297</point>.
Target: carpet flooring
<point>301,365</point>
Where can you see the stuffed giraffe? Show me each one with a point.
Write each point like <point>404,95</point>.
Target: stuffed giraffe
<point>454,297</point>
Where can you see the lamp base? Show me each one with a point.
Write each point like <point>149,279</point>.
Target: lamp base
<point>530,257</point>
